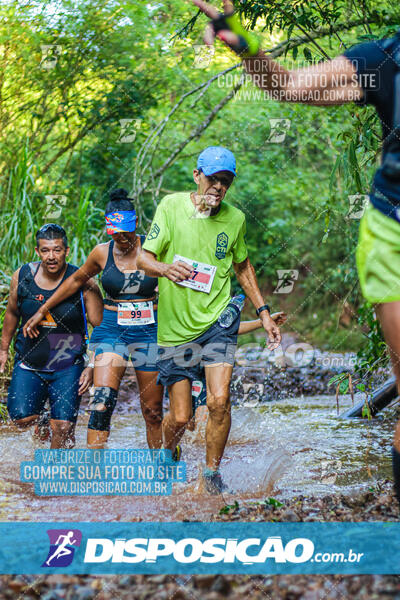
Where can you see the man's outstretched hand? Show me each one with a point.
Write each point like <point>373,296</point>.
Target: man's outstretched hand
<point>30,328</point>
<point>227,27</point>
<point>85,380</point>
<point>178,271</point>
<point>272,330</point>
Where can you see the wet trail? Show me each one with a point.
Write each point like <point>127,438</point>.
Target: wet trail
<point>280,449</point>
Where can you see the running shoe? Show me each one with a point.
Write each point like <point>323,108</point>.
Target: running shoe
<point>177,454</point>
<point>42,427</point>
<point>213,483</point>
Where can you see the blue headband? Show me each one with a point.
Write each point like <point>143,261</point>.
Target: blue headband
<point>123,220</point>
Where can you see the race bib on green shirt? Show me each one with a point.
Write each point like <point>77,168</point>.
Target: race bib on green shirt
<point>202,276</point>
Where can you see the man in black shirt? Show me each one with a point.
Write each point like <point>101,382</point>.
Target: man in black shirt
<point>368,73</point>
<point>50,366</point>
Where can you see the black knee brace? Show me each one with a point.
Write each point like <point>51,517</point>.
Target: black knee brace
<point>396,471</point>
<point>100,420</point>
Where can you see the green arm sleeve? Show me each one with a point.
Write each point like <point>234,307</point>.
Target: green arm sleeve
<point>248,44</point>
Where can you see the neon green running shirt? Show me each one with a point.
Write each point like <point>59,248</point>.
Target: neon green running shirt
<point>215,241</point>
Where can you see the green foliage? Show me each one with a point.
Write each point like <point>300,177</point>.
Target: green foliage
<point>373,352</point>
<point>60,132</point>
<point>3,413</point>
<point>272,502</point>
<point>366,412</point>
<point>18,215</point>
<point>86,223</point>
<point>341,381</point>
<point>225,510</point>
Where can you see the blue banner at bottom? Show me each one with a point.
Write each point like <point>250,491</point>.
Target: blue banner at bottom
<point>172,548</point>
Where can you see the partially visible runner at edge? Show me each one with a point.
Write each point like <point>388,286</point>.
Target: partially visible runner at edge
<point>129,326</point>
<point>194,240</point>
<point>51,366</point>
<point>368,73</point>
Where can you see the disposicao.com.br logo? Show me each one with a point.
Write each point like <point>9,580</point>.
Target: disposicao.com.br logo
<point>63,543</point>
<point>248,551</point>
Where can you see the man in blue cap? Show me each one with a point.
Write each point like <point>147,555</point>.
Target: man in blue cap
<point>194,240</point>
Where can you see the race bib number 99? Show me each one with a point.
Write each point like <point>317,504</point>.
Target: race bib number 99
<point>135,313</point>
<point>202,276</point>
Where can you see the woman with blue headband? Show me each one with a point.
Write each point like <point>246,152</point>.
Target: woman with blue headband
<point>129,325</point>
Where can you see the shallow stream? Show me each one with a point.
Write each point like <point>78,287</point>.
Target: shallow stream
<point>280,449</point>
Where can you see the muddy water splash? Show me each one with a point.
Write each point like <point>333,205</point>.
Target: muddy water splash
<point>281,449</point>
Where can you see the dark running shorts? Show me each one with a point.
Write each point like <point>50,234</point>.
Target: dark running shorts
<point>29,391</point>
<point>187,361</point>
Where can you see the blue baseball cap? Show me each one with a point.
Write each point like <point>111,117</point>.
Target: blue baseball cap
<point>216,158</point>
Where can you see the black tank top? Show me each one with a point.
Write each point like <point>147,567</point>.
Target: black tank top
<point>124,287</point>
<point>61,341</point>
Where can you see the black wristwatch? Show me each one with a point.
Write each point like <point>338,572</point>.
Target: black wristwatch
<point>265,307</point>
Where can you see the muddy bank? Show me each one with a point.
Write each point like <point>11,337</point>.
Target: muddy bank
<point>296,370</point>
<point>199,587</point>
<point>264,384</point>
<point>378,503</point>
